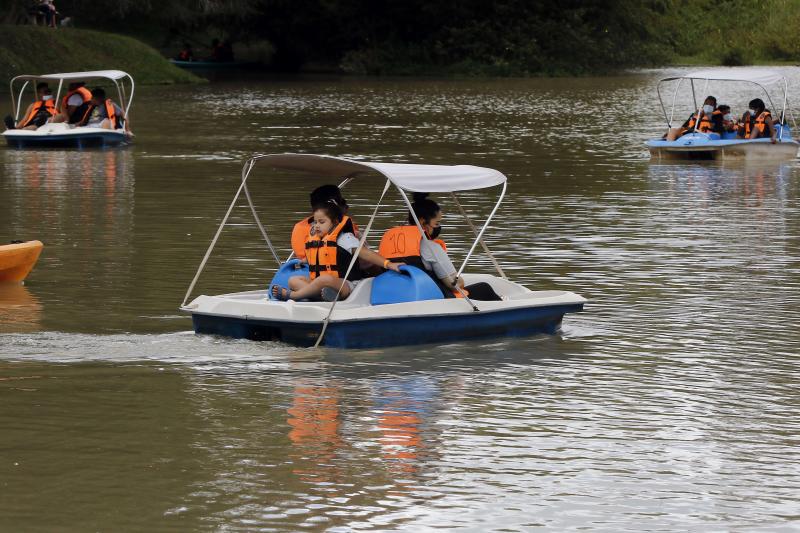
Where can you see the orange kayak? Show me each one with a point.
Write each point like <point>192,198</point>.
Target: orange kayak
<point>17,260</point>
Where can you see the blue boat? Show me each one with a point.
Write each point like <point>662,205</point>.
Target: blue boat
<point>393,308</point>
<point>60,134</point>
<point>726,146</point>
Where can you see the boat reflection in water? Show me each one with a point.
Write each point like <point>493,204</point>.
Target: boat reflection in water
<point>20,311</point>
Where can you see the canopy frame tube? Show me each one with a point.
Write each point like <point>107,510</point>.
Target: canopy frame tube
<point>248,167</point>
<point>669,119</point>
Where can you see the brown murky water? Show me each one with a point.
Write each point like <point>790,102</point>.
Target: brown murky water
<point>670,404</point>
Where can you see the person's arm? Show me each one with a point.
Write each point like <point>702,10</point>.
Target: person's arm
<point>773,131</point>
<point>436,260</point>
<point>371,257</point>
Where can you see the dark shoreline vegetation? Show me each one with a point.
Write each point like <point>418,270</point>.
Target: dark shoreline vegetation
<point>429,37</point>
<point>39,50</point>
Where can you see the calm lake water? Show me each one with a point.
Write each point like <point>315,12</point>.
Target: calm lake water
<point>670,404</point>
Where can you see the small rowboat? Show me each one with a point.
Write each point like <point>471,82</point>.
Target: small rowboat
<point>392,308</point>
<point>61,135</point>
<point>17,260</point>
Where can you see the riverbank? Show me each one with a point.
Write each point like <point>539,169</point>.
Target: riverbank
<point>39,50</point>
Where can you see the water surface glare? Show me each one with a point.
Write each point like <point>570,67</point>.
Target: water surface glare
<point>670,404</point>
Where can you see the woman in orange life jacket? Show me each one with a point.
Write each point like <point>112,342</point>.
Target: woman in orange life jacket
<point>38,113</point>
<point>74,104</point>
<point>103,113</point>
<point>186,53</point>
<point>404,243</point>
<point>708,121</point>
<point>757,122</point>
<point>328,254</point>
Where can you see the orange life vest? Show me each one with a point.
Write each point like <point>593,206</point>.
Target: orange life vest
<point>300,233</point>
<point>110,114</point>
<point>760,123</point>
<point>184,55</point>
<point>49,107</point>
<point>706,124</point>
<point>326,258</point>
<point>86,95</point>
<point>401,244</point>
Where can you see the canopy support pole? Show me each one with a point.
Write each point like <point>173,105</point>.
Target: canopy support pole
<point>245,173</point>
<point>699,109</point>
<point>213,242</point>
<point>425,236</point>
<point>483,229</point>
<point>475,231</point>
<point>352,263</point>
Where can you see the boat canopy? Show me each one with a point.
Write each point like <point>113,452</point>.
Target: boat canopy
<point>753,75</point>
<point>118,77</point>
<point>759,76</point>
<point>409,177</point>
<point>77,76</point>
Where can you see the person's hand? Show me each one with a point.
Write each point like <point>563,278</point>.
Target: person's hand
<point>394,266</point>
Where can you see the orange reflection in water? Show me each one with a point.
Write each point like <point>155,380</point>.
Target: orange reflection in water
<point>20,311</point>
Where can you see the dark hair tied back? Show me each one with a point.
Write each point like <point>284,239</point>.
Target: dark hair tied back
<point>424,208</point>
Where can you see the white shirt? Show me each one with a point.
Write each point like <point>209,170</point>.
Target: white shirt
<point>348,241</point>
<point>76,99</point>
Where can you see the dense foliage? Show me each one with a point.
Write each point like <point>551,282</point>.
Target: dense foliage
<point>503,37</point>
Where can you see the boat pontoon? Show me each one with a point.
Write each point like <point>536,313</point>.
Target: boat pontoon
<point>61,135</point>
<point>698,145</point>
<point>392,308</point>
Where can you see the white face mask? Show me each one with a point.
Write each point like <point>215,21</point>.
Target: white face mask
<point>47,97</point>
<point>708,109</point>
<point>752,112</point>
<point>728,117</point>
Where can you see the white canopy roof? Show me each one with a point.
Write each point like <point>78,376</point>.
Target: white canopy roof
<point>760,76</point>
<point>409,177</point>
<point>77,76</point>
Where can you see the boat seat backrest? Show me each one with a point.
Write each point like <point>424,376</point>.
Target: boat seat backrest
<point>411,284</point>
<point>289,269</point>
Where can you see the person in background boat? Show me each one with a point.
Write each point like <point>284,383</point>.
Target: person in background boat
<point>757,122</point>
<point>729,123</point>
<point>38,113</point>
<point>103,112</point>
<point>328,254</point>
<point>186,53</point>
<point>74,104</point>
<point>406,244</point>
<point>710,121</point>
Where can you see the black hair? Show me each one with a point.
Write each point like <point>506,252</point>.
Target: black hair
<point>99,92</point>
<point>757,104</point>
<point>323,193</point>
<point>722,108</point>
<point>75,85</point>
<point>331,209</point>
<point>41,85</point>
<point>424,208</point>
<point>47,90</point>
<point>709,97</point>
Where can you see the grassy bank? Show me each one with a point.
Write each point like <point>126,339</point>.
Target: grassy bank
<point>39,50</point>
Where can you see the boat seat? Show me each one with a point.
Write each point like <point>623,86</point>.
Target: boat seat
<point>411,284</point>
<point>289,269</point>
<point>729,135</point>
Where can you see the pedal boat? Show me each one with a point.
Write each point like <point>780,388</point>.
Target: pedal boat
<point>390,309</point>
<point>61,135</point>
<point>17,260</point>
<point>712,146</point>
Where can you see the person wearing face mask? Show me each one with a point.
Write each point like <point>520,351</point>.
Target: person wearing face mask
<point>729,124</point>
<point>757,122</point>
<point>710,121</point>
<point>429,252</point>
<point>38,113</point>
